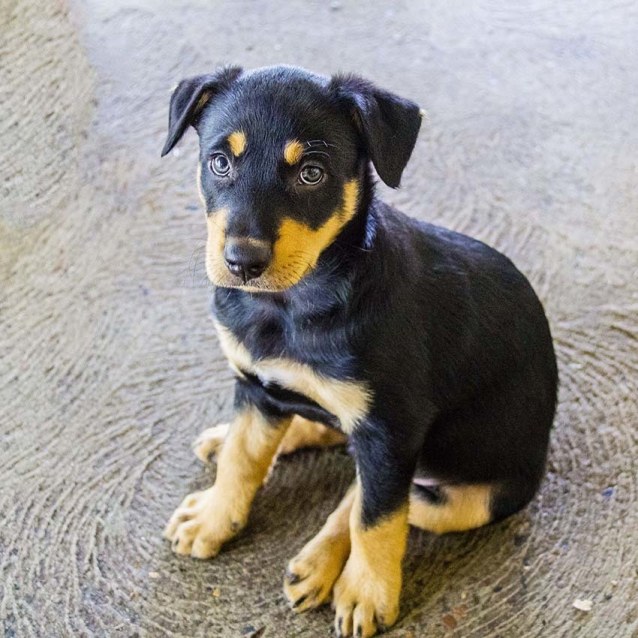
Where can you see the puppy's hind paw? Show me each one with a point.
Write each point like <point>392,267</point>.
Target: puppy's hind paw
<point>210,441</point>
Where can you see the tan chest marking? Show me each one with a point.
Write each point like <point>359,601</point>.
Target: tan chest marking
<point>349,401</point>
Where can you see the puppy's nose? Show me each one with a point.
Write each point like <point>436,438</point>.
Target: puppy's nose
<point>247,258</point>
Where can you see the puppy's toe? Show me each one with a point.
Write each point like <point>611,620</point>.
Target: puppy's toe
<point>203,523</point>
<point>210,441</point>
<point>363,621</point>
<point>186,511</point>
<point>181,515</point>
<point>365,602</point>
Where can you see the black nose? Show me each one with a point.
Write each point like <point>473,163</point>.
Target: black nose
<point>247,258</point>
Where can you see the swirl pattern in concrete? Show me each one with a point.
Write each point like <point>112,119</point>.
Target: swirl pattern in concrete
<point>108,362</point>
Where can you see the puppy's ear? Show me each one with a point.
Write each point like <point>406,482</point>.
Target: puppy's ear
<point>190,97</point>
<point>389,124</point>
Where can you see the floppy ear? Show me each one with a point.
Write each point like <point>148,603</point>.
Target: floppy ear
<point>190,97</point>
<point>389,124</point>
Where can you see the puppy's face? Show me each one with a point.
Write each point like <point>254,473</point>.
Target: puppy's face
<point>282,154</point>
<point>279,176</point>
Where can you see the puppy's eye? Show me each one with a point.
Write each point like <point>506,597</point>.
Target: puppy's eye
<point>219,164</point>
<point>311,175</point>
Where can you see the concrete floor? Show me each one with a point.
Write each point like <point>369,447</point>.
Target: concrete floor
<point>108,362</point>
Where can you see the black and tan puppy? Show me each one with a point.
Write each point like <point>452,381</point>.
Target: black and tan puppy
<point>427,349</point>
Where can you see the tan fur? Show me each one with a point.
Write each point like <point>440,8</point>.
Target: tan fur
<point>347,400</point>
<point>209,442</point>
<point>303,433</point>
<point>216,269</point>
<point>237,142</point>
<point>293,152</point>
<point>367,592</point>
<point>206,520</point>
<point>466,507</point>
<point>201,103</point>
<point>312,573</point>
<point>300,434</point>
<point>298,247</point>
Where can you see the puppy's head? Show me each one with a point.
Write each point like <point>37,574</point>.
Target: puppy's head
<point>282,156</point>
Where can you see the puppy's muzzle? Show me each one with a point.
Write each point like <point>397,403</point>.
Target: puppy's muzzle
<point>247,258</point>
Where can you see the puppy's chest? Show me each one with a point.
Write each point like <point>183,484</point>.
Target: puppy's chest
<point>320,369</point>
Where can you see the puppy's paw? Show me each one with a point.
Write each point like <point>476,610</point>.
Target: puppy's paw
<point>203,523</point>
<point>365,601</point>
<point>210,441</point>
<point>311,574</point>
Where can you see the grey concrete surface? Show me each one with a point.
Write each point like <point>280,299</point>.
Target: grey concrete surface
<point>108,362</point>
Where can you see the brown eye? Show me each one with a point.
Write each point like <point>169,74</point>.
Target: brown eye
<point>311,175</point>
<point>219,164</point>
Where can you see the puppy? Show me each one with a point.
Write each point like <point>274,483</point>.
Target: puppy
<point>427,349</point>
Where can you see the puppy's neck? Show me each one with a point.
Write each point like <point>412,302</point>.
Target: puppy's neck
<point>359,233</point>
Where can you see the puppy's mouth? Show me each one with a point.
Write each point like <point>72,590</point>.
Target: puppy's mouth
<point>271,281</point>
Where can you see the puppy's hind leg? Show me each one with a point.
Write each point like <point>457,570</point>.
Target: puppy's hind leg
<point>456,508</point>
<point>450,508</point>
<point>302,433</point>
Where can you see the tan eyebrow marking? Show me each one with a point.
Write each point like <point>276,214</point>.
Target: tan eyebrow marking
<point>293,151</point>
<point>237,142</point>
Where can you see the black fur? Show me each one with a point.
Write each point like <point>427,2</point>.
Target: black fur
<point>448,334</point>
<point>183,110</point>
<point>389,124</point>
<point>277,402</point>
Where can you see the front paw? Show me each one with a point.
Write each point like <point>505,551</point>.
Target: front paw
<point>365,601</point>
<point>202,524</point>
<point>311,574</point>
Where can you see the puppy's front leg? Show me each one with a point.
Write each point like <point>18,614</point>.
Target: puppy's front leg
<point>366,595</point>
<point>206,520</point>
